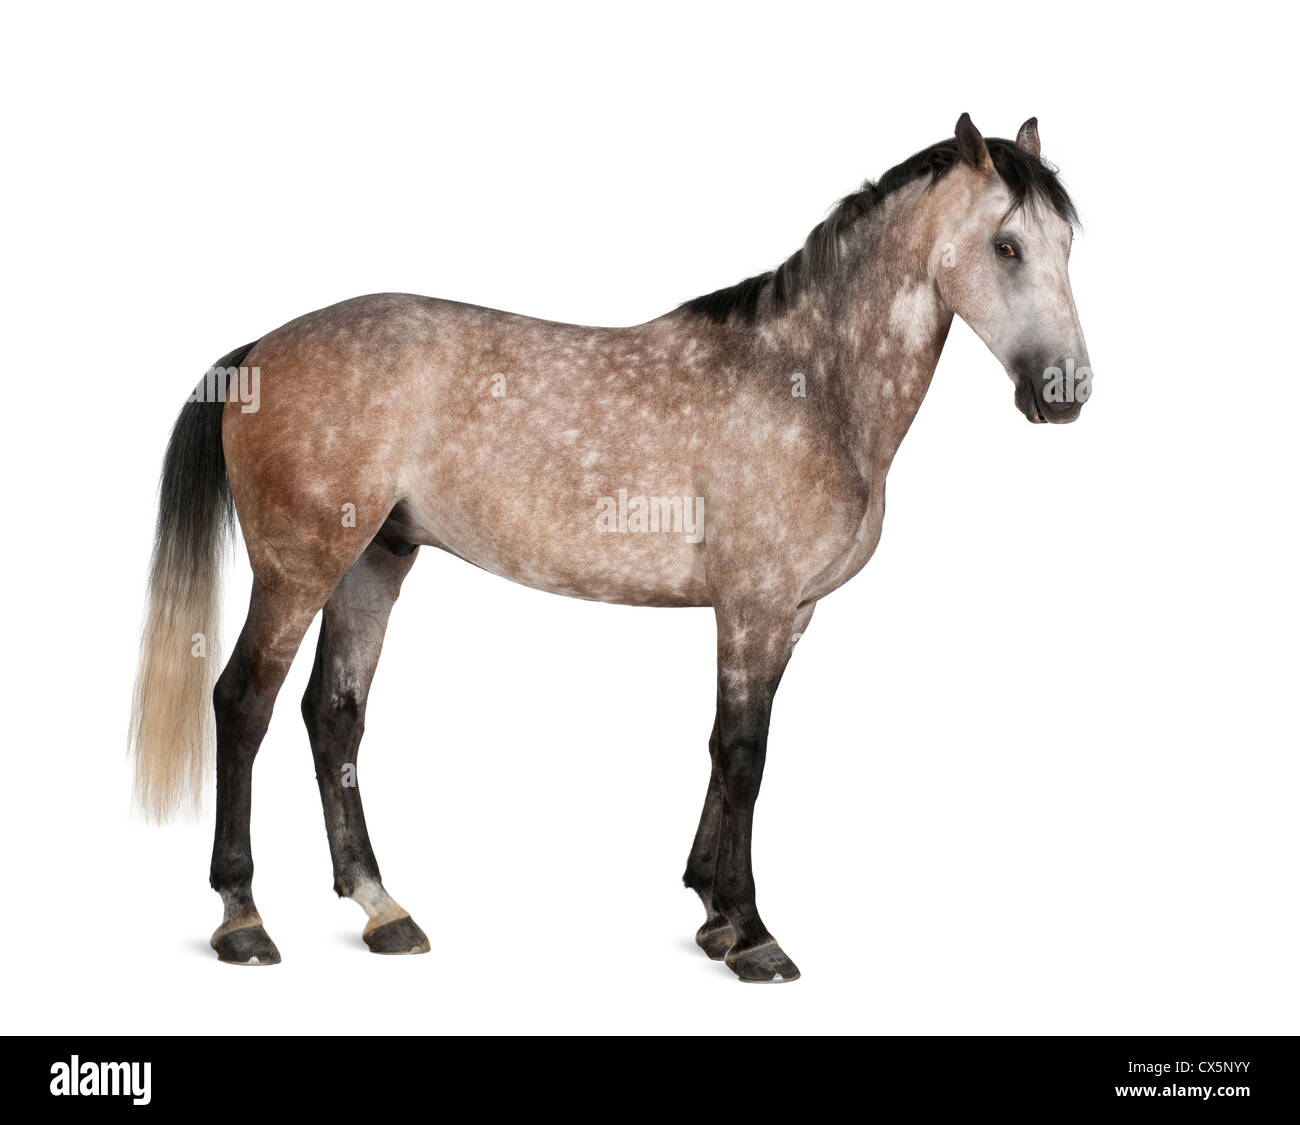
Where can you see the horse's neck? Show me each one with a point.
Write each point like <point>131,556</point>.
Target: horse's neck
<point>877,331</point>
<point>889,357</point>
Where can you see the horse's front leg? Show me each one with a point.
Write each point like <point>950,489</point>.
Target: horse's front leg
<point>716,936</point>
<point>755,638</point>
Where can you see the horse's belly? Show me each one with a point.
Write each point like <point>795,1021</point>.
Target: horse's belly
<point>622,547</point>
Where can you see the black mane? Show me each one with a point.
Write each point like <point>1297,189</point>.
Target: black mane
<point>1027,177</point>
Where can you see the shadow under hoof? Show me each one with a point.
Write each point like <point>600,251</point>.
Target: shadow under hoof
<point>251,945</point>
<point>401,936</point>
<point>715,938</point>
<point>762,964</point>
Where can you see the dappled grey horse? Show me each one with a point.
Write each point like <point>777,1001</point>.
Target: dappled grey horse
<point>731,453</point>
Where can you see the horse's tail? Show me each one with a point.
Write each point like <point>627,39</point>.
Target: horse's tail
<point>173,734</point>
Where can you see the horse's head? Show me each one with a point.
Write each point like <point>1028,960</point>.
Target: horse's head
<point>1003,231</point>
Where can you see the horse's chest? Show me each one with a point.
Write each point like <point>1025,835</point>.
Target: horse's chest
<point>855,551</point>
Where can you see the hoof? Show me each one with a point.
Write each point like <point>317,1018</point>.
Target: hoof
<point>762,964</point>
<point>715,937</point>
<point>401,936</point>
<point>249,945</point>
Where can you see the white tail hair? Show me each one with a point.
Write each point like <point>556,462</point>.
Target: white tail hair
<point>173,734</point>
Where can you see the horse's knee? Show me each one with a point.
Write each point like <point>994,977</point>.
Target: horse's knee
<point>739,763</point>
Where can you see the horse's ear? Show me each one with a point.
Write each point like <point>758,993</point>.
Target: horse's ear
<point>1027,138</point>
<point>972,147</point>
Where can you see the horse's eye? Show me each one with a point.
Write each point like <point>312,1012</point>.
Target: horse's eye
<point>1006,250</point>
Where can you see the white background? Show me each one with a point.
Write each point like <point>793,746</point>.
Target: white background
<point>1034,770</point>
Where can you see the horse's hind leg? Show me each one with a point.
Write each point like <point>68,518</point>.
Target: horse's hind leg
<point>244,697</point>
<point>334,709</point>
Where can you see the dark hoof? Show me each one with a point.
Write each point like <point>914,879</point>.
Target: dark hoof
<point>250,945</point>
<point>715,937</point>
<point>401,936</point>
<point>762,964</point>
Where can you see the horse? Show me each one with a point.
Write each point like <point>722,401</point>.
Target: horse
<point>731,453</point>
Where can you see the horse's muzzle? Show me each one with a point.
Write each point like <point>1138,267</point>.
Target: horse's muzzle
<point>1051,392</point>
